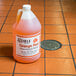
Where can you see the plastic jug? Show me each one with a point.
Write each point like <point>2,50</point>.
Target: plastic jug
<point>26,36</point>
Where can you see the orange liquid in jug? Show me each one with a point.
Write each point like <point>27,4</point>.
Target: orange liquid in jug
<point>26,40</point>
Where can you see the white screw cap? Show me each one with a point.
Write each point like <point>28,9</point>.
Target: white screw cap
<point>26,7</point>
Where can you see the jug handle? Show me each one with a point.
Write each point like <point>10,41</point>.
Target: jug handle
<point>19,13</point>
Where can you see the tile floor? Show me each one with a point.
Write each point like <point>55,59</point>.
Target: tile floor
<point>58,19</point>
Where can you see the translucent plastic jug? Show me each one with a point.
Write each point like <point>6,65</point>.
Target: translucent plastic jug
<point>26,36</point>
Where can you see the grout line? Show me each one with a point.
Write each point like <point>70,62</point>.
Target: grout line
<point>39,74</point>
<point>7,15</point>
<point>67,33</point>
<point>14,69</point>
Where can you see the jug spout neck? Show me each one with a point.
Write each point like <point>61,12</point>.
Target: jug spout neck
<point>27,7</point>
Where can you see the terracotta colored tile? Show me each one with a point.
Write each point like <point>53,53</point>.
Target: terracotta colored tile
<point>54,21</point>
<point>59,37</point>
<point>59,75</point>
<point>39,14</point>
<point>63,52</point>
<point>6,65</point>
<point>7,28</point>
<point>4,7</point>
<point>71,29</point>
<point>2,19</point>
<point>41,20</point>
<point>26,75</point>
<point>5,2</point>
<point>6,38</point>
<point>69,8</point>
<point>53,14</point>
<point>6,50</point>
<point>72,39</point>
<point>70,14</point>
<point>37,3</point>
<point>0,25</point>
<point>36,67</point>
<point>60,66</point>
<point>70,20</point>
<point>42,29</point>
<point>55,29</point>
<point>52,8</point>
<point>38,8</point>
<point>52,3</point>
<point>42,37</point>
<point>16,7</point>
<point>20,2</point>
<point>74,51</point>
<point>13,13</point>
<point>68,2</point>
<point>3,13</point>
<point>42,52</point>
<point>5,74</point>
<point>11,20</point>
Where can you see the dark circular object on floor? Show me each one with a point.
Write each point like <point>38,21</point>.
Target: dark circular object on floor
<point>50,44</point>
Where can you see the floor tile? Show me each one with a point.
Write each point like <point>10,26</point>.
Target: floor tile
<point>42,52</point>
<point>38,8</point>
<point>6,50</point>
<point>74,51</point>
<point>2,19</point>
<point>5,2</point>
<point>55,29</point>
<point>63,52</point>
<point>70,20</point>
<point>11,20</point>
<point>52,3</point>
<point>7,28</point>
<point>39,13</point>
<point>4,8</point>
<point>6,65</point>
<point>53,14</point>
<point>42,29</point>
<point>3,13</point>
<point>19,2</point>
<point>59,37</point>
<point>72,39</point>
<point>16,7</point>
<point>37,3</point>
<point>0,25</point>
<point>54,21</point>
<point>5,74</point>
<point>41,20</point>
<point>60,66</point>
<point>69,8</point>
<point>31,68</point>
<point>5,38</point>
<point>12,13</point>
<point>26,75</point>
<point>52,8</point>
<point>59,75</point>
<point>70,14</point>
<point>68,2</point>
<point>71,29</point>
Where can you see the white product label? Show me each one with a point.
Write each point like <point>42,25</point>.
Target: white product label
<point>27,46</point>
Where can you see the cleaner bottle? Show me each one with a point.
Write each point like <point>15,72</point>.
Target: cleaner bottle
<point>26,36</point>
